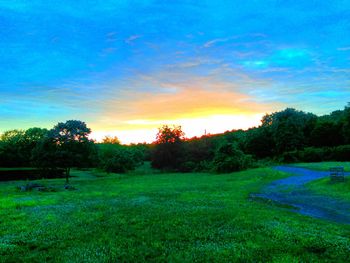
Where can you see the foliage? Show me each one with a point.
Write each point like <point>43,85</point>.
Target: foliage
<point>197,153</point>
<point>287,136</point>
<point>66,145</point>
<point>259,142</point>
<point>313,154</point>
<point>327,133</point>
<point>168,135</point>
<point>168,149</point>
<point>230,158</point>
<point>346,125</point>
<point>290,128</point>
<point>16,146</point>
<point>118,158</point>
<point>111,140</point>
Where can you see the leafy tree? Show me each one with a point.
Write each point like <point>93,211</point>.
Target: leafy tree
<point>169,135</point>
<point>290,128</point>
<point>327,133</point>
<point>10,148</point>
<point>167,152</point>
<point>346,124</point>
<point>45,157</point>
<point>118,158</point>
<point>66,145</point>
<point>111,140</point>
<point>259,142</point>
<point>16,146</point>
<point>229,158</point>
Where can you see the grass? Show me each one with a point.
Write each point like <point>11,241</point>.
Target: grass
<point>324,186</point>
<point>334,189</point>
<point>194,217</point>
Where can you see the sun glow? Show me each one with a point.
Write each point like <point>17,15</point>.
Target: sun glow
<point>143,130</point>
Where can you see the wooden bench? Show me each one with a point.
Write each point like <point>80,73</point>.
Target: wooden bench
<point>337,174</point>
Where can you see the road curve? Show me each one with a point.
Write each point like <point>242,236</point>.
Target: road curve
<point>291,191</point>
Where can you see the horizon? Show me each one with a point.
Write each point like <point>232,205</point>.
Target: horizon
<point>127,68</point>
<point>150,136</point>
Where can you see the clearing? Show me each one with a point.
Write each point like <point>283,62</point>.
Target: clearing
<point>162,217</point>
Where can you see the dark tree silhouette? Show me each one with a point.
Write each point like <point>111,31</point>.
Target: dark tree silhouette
<point>168,145</point>
<point>66,145</point>
<point>290,128</point>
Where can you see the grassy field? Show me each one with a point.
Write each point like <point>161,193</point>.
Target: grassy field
<point>193,217</point>
<point>325,186</point>
<point>334,189</point>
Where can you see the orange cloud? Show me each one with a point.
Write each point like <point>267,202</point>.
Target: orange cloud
<point>203,104</point>
<point>189,103</point>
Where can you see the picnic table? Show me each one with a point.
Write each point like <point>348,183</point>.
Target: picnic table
<point>337,174</point>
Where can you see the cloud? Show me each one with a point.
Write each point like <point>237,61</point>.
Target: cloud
<point>132,38</point>
<point>178,97</point>
<point>211,107</point>
<point>343,48</point>
<point>215,41</point>
<point>244,39</point>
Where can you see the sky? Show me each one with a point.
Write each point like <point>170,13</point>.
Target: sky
<point>128,67</point>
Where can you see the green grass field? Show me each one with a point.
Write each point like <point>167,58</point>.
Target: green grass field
<point>324,186</point>
<point>139,217</point>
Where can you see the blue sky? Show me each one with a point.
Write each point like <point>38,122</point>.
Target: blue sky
<point>126,67</point>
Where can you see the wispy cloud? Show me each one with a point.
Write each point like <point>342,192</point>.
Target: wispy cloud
<point>215,41</point>
<point>343,48</point>
<point>132,38</point>
<point>194,102</point>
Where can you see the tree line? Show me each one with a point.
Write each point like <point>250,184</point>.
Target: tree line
<point>285,136</point>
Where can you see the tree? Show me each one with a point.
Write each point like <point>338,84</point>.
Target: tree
<point>16,146</point>
<point>327,133</point>
<point>229,158</point>
<point>346,123</point>
<point>290,129</point>
<point>66,145</point>
<point>259,142</point>
<point>168,135</point>
<point>168,145</point>
<point>111,140</point>
<point>10,148</point>
<point>117,158</point>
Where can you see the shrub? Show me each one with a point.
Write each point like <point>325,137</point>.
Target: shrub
<point>341,153</point>
<point>312,154</point>
<point>117,158</point>
<point>187,167</point>
<point>230,158</point>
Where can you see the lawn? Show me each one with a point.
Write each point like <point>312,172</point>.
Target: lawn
<point>324,186</point>
<point>334,189</point>
<point>161,217</point>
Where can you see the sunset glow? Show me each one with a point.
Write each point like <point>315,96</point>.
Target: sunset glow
<point>145,130</point>
<point>128,67</point>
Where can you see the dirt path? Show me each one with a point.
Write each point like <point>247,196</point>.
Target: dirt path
<point>291,191</point>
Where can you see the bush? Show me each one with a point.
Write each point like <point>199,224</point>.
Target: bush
<point>230,158</point>
<point>117,158</point>
<point>187,167</point>
<point>290,157</point>
<point>341,153</point>
<point>312,154</point>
